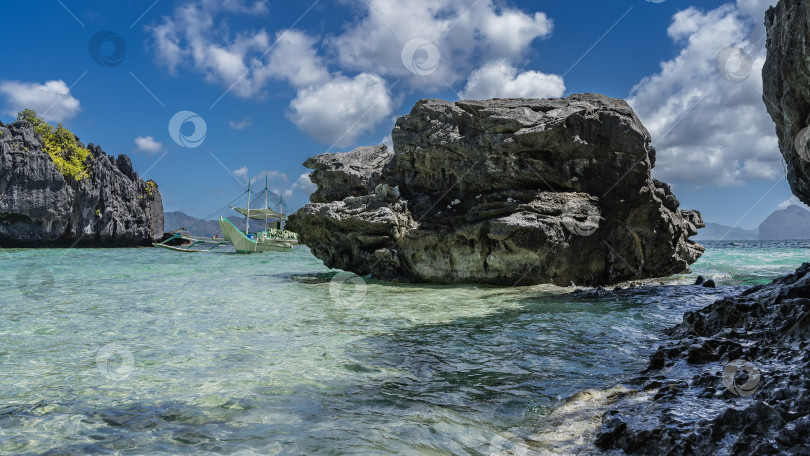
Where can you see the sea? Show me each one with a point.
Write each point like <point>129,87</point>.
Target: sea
<point>149,351</point>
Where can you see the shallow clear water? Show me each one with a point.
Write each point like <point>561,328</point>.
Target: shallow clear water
<point>151,351</point>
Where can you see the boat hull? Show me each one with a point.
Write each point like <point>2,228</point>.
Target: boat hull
<point>243,244</point>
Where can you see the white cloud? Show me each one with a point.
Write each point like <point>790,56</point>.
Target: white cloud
<point>305,184</point>
<point>241,172</point>
<point>271,175</point>
<point>336,107</point>
<point>51,100</point>
<point>295,59</point>
<point>148,144</point>
<point>240,125</point>
<point>342,109</point>
<point>463,34</point>
<point>708,130</point>
<point>197,36</point>
<point>792,201</point>
<point>499,79</point>
<point>388,141</point>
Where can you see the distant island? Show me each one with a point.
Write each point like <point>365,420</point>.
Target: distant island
<point>792,222</point>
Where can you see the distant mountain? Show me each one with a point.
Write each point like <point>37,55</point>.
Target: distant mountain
<point>792,222</point>
<point>716,231</point>
<point>199,227</point>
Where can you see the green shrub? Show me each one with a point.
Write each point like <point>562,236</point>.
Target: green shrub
<point>69,158</point>
<point>151,186</point>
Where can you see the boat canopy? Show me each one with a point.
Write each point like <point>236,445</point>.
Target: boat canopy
<point>260,214</point>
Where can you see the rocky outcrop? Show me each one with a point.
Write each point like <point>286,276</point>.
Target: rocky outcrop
<point>504,191</point>
<point>786,88</point>
<point>733,380</point>
<point>39,207</point>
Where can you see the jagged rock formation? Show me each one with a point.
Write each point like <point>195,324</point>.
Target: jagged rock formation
<point>786,88</point>
<point>39,207</point>
<point>504,191</point>
<point>733,380</point>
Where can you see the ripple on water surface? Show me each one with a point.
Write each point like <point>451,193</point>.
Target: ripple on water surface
<point>145,350</point>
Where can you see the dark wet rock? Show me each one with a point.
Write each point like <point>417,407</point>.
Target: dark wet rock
<point>39,207</point>
<point>504,191</point>
<point>709,284</point>
<point>786,87</point>
<point>699,280</point>
<point>732,380</point>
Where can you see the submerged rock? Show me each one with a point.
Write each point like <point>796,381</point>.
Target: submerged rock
<point>39,207</point>
<point>786,88</point>
<point>504,191</point>
<point>733,380</point>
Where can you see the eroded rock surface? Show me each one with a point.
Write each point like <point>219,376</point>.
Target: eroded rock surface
<point>786,88</point>
<point>504,191</point>
<point>39,207</point>
<point>734,379</point>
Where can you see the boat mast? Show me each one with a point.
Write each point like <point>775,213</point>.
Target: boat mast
<point>281,219</point>
<point>265,200</point>
<point>247,217</point>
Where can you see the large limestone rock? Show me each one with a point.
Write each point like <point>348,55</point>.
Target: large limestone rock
<point>39,207</point>
<point>786,88</point>
<point>505,192</point>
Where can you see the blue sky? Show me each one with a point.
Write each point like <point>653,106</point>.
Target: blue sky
<point>277,82</point>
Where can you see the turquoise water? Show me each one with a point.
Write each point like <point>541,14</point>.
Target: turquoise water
<point>136,351</point>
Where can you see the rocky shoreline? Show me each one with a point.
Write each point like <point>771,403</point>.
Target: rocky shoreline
<point>733,380</point>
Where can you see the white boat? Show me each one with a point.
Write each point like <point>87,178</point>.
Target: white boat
<point>270,240</point>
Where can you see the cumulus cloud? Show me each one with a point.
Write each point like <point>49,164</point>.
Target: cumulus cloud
<point>195,35</point>
<point>240,125</point>
<point>499,79</point>
<point>148,144</point>
<point>342,109</point>
<point>707,129</point>
<point>792,201</point>
<point>51,100</point>
<point>462,34</point>
<point>336,107</point>
<point>304,184</point>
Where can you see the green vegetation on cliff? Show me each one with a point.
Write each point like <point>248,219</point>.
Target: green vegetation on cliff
<point>68,156</point>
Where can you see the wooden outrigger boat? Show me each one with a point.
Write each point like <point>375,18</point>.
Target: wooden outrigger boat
<point>192,244</point>
<point>270,240</point>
